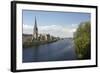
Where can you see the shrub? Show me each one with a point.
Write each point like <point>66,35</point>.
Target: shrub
<point>82,40</point>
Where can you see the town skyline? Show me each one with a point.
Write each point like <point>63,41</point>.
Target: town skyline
<point>58,27</point>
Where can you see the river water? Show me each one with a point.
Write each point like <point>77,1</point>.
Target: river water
<point>56,51</point>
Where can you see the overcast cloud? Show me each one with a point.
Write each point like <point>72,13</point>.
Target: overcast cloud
<point>55,30</point>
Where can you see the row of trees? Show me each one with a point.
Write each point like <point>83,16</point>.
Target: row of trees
<point>82,40</point>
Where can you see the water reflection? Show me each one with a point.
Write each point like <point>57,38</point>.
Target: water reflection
<point>57,51</point>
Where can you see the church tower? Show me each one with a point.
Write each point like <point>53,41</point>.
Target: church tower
<point>35,31</point>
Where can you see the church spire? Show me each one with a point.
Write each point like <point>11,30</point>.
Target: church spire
<point>35,25</point>
<point>35,30</point>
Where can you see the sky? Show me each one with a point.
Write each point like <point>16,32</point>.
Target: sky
<point>58,24</point>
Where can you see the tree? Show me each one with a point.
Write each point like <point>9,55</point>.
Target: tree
<point>82,40</point>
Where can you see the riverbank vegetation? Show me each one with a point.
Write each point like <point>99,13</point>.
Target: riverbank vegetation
<point>36,43</point>
<point>82,41</point>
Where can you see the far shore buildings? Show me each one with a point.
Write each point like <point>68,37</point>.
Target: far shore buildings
<point>36,36</point>
<point>41,37</point>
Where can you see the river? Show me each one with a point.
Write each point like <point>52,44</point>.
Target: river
<point>56,51</point>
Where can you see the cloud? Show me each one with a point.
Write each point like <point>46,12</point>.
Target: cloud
<point>27,29</point>
<point>55,30</point>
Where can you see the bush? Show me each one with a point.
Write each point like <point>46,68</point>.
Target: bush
<point>82,40</point>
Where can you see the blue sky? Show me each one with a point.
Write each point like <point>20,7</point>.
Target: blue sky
<point>53,22</point>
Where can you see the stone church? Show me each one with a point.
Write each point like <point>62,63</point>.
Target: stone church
<point>41,37</point>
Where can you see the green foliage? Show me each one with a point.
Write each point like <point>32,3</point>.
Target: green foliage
<point>82,40</point>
